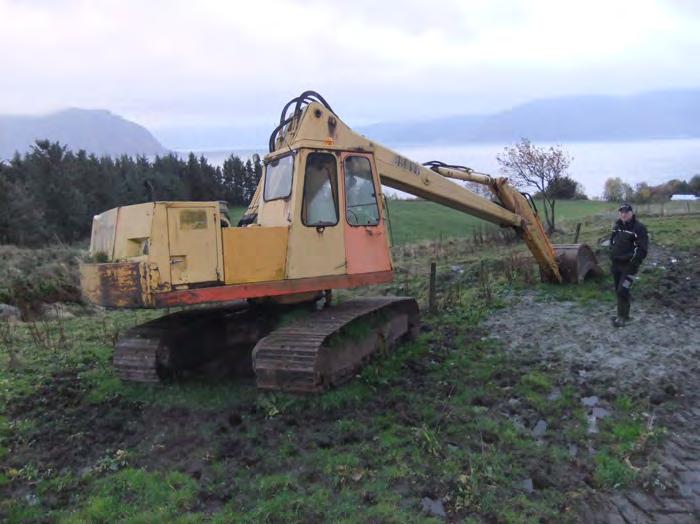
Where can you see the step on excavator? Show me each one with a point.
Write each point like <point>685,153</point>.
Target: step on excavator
<point>316,222</point>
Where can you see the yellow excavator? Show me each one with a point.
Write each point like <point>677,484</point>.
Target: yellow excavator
<point>317,222</point>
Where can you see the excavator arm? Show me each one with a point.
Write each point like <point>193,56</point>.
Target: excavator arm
<point>512,210</point>
<point>314,124</point>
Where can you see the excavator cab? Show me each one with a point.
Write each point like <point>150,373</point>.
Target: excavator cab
<point>330,202</point>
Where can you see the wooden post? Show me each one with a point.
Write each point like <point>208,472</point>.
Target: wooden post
<point>578,232</point>
<point>431,290</point>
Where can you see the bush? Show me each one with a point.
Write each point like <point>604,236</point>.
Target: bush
<point>29,277</point>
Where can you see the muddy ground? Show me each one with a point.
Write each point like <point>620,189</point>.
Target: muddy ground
<point>655,358</point>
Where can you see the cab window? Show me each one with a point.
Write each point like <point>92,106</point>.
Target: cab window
<point>320,202</point>
<point>360,197</point>
<point>278,178</point>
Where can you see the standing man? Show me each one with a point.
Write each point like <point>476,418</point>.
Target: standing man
<point>628,247</point>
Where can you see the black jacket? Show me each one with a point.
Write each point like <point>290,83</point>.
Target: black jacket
<point>629,242</point>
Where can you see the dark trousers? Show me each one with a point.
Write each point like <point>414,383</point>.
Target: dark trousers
<point>622,276</point>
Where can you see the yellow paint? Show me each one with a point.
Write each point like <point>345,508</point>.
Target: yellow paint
<point>192,237</point>
<point>133,229</point>
<point>159,252</point>
<point>254,254</point>
<point>158,235</point>
<point>276,213</point>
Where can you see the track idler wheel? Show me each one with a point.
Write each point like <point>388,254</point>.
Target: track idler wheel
<point>576,262</point>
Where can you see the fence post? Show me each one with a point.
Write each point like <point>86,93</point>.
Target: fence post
<point>578,232</point>
<point>431,290</point>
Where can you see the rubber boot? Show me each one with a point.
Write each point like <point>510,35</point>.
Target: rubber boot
<point>623,312</point>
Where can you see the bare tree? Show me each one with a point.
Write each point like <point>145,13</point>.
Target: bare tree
<point>529,166</point>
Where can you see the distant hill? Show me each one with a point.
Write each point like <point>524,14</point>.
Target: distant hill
<point>96,131</point>
<point>660,114</point>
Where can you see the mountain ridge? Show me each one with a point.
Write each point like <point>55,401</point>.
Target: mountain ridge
<point>97,131</point>
<point>649,115</point>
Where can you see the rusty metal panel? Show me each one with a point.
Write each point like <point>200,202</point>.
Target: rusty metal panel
<point>254,254</point>
<point>119,284</point>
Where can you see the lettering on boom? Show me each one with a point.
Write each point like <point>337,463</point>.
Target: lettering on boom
<point>405,163</point>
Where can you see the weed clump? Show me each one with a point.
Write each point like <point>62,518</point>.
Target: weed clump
<point>31,277</point>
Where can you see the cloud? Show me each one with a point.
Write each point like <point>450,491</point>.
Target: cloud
<point>209,62</point>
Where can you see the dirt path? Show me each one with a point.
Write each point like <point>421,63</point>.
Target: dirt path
<point>657,358</point>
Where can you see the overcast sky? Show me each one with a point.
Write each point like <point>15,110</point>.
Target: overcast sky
<point>179,63</point>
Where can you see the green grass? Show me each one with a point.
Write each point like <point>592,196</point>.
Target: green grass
<point>136,495</point>
<point>419,220</point>
<point>680,232</point>
<point>235,214</point>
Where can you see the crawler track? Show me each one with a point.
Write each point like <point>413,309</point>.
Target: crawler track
<point>176,344</point>
<point>313,352</point>
<point>328,347</point>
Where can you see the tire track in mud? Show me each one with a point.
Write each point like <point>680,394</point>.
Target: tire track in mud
<point>657,357</point>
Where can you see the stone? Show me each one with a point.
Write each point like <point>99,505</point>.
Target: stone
<point>527,485</point>
<point>8,312</point>
<point>600,413</point>
<point>555,394</point>
<point>55,311</point>
<point>589,402</point>
<point>592,425</point>
<point>433,507</point>
<point>539,428</point>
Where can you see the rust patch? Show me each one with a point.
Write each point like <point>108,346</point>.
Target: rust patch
<point>119,284</point>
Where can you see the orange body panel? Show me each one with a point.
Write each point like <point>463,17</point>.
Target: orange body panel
<point>366,247</point>
<point>269,289</point>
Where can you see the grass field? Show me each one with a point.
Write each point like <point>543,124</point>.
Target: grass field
<point>426,422</point>
<point>418,220</point>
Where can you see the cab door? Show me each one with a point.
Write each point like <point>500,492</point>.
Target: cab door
<point>194,250</point>
<point>316,246</point>
<point>366,242</point>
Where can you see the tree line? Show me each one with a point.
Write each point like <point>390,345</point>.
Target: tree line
<point>616,190</point>
<point>50,194</point>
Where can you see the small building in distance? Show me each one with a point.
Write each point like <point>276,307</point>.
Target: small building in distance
<point>684,197</point>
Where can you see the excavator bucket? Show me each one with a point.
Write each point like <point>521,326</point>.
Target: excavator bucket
<point>576,262</point>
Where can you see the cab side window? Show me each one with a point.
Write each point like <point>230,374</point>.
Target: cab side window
<point>360,197</point>
<point>320,203</point>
